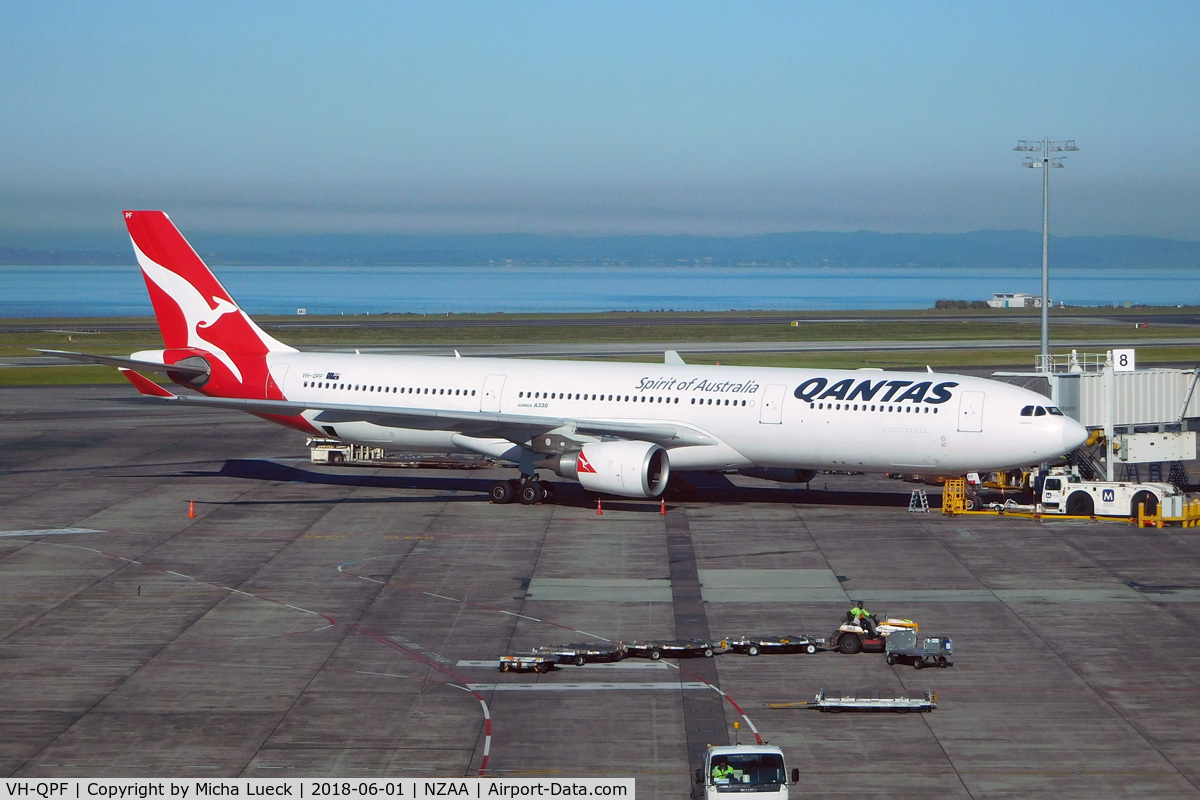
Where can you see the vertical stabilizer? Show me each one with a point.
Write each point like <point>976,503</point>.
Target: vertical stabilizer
<point>197,316</point>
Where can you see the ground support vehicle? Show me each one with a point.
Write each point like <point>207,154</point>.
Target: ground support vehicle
<point>837,700</point>
<point>673,648</point>
<point>850,637</point>
<point>759,769</point>
<point>580,654</point>
<point>754,645</point>
<point>1064,492</point>
<point>334,451</point>
<point>907,647</point>
<point>527,662</point>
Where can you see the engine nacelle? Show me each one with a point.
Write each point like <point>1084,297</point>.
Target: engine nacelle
<point>780,474</point>
<point>631,469</point>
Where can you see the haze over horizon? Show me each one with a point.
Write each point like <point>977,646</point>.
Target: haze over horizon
<point>403,118</point>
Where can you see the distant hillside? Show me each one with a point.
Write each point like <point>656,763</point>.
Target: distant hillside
<point>975,250</point>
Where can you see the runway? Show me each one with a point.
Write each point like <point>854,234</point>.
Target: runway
<point>324,621</point>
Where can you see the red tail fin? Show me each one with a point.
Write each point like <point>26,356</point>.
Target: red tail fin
<point>196,315</point>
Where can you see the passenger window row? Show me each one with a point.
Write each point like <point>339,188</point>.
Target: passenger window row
<point>598,397</point>
<point>873,407</point>
<point>628,398</point>
<point>358,387</point>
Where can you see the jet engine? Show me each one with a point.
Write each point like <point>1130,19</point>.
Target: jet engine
<point>780,474</point>
<point>631,469</point>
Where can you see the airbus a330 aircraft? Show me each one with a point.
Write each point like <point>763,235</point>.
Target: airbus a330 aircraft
<point>614,428</point>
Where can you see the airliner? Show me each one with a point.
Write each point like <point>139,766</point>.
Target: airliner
<point>615,428</point>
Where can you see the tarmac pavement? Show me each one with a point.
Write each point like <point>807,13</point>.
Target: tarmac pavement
<point>324,621</point>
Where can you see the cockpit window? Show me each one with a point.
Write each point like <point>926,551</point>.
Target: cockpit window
<point>1054,410</point>
<point>1039,412</point>
<point>1027,411</point>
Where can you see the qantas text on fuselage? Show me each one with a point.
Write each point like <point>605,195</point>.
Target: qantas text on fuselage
<point>616,428</point>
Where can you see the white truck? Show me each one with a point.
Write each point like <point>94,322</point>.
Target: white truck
<point>1064,492</point>
<point>335,451</point>
<point>738,768</point>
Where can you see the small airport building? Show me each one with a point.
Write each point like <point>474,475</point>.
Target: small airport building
<point>1015,300</point>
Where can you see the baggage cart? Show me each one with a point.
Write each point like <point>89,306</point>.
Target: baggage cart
<point>580,654</point>
<point>909,647</point>
<point>876,700</point>
<point>754,645</point>
<point>655,649</point>
<point>527,662</point>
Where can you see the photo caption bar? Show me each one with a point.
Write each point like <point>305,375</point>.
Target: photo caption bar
<point>306,789</point>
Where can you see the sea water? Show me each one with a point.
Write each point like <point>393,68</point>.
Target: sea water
<point>109,291</point>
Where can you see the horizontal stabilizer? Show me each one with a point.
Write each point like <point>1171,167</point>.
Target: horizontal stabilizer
<point>128,363</point>
<point>145,385</point>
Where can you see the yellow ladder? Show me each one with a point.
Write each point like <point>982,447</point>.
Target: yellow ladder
<point>954,495</point>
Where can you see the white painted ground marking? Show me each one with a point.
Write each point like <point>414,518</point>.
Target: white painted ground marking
<point>49,532</point>
<point>588,687</point>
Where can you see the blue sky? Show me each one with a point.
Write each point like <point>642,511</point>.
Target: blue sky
<point>598,118</point>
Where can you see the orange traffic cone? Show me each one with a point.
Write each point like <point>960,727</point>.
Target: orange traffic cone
<point>662,509</point>
<point>191,509</point>
<point>599,510</point>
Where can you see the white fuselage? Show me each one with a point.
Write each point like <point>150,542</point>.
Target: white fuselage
<point>754,416</point>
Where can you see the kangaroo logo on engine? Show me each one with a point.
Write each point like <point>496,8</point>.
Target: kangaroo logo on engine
<point>815,389</point>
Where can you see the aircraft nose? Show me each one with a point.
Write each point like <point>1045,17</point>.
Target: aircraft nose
<point>1073,434</point>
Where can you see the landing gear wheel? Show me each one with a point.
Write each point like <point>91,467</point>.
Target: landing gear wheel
<point>501,492</point>
<point>531,493</point>
<point>548,491</point>
<point>850,644</point>
<point>752,650</point>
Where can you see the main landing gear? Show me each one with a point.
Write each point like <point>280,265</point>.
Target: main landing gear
<point>527,491</point>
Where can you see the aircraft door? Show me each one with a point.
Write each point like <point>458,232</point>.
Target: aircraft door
<point>772,407</point>
<point>492,388</point>
<point>275,381</point>
<point>970,412</point>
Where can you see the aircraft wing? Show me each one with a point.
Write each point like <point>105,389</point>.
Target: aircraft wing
<point>516,428</point>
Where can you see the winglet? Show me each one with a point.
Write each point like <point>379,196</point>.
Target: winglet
<point>144,384</point>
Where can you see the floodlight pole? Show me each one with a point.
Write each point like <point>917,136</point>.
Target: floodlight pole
<point>1046,146</point>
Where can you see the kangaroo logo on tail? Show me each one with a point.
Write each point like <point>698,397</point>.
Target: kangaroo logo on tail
<point>198,313</point>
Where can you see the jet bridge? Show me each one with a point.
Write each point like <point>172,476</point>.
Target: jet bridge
<point>1148,416</point>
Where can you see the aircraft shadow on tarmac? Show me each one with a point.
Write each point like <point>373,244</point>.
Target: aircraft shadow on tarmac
<point>709,487</point>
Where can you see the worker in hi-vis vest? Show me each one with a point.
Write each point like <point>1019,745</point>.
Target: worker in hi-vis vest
<point>861,617</point>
